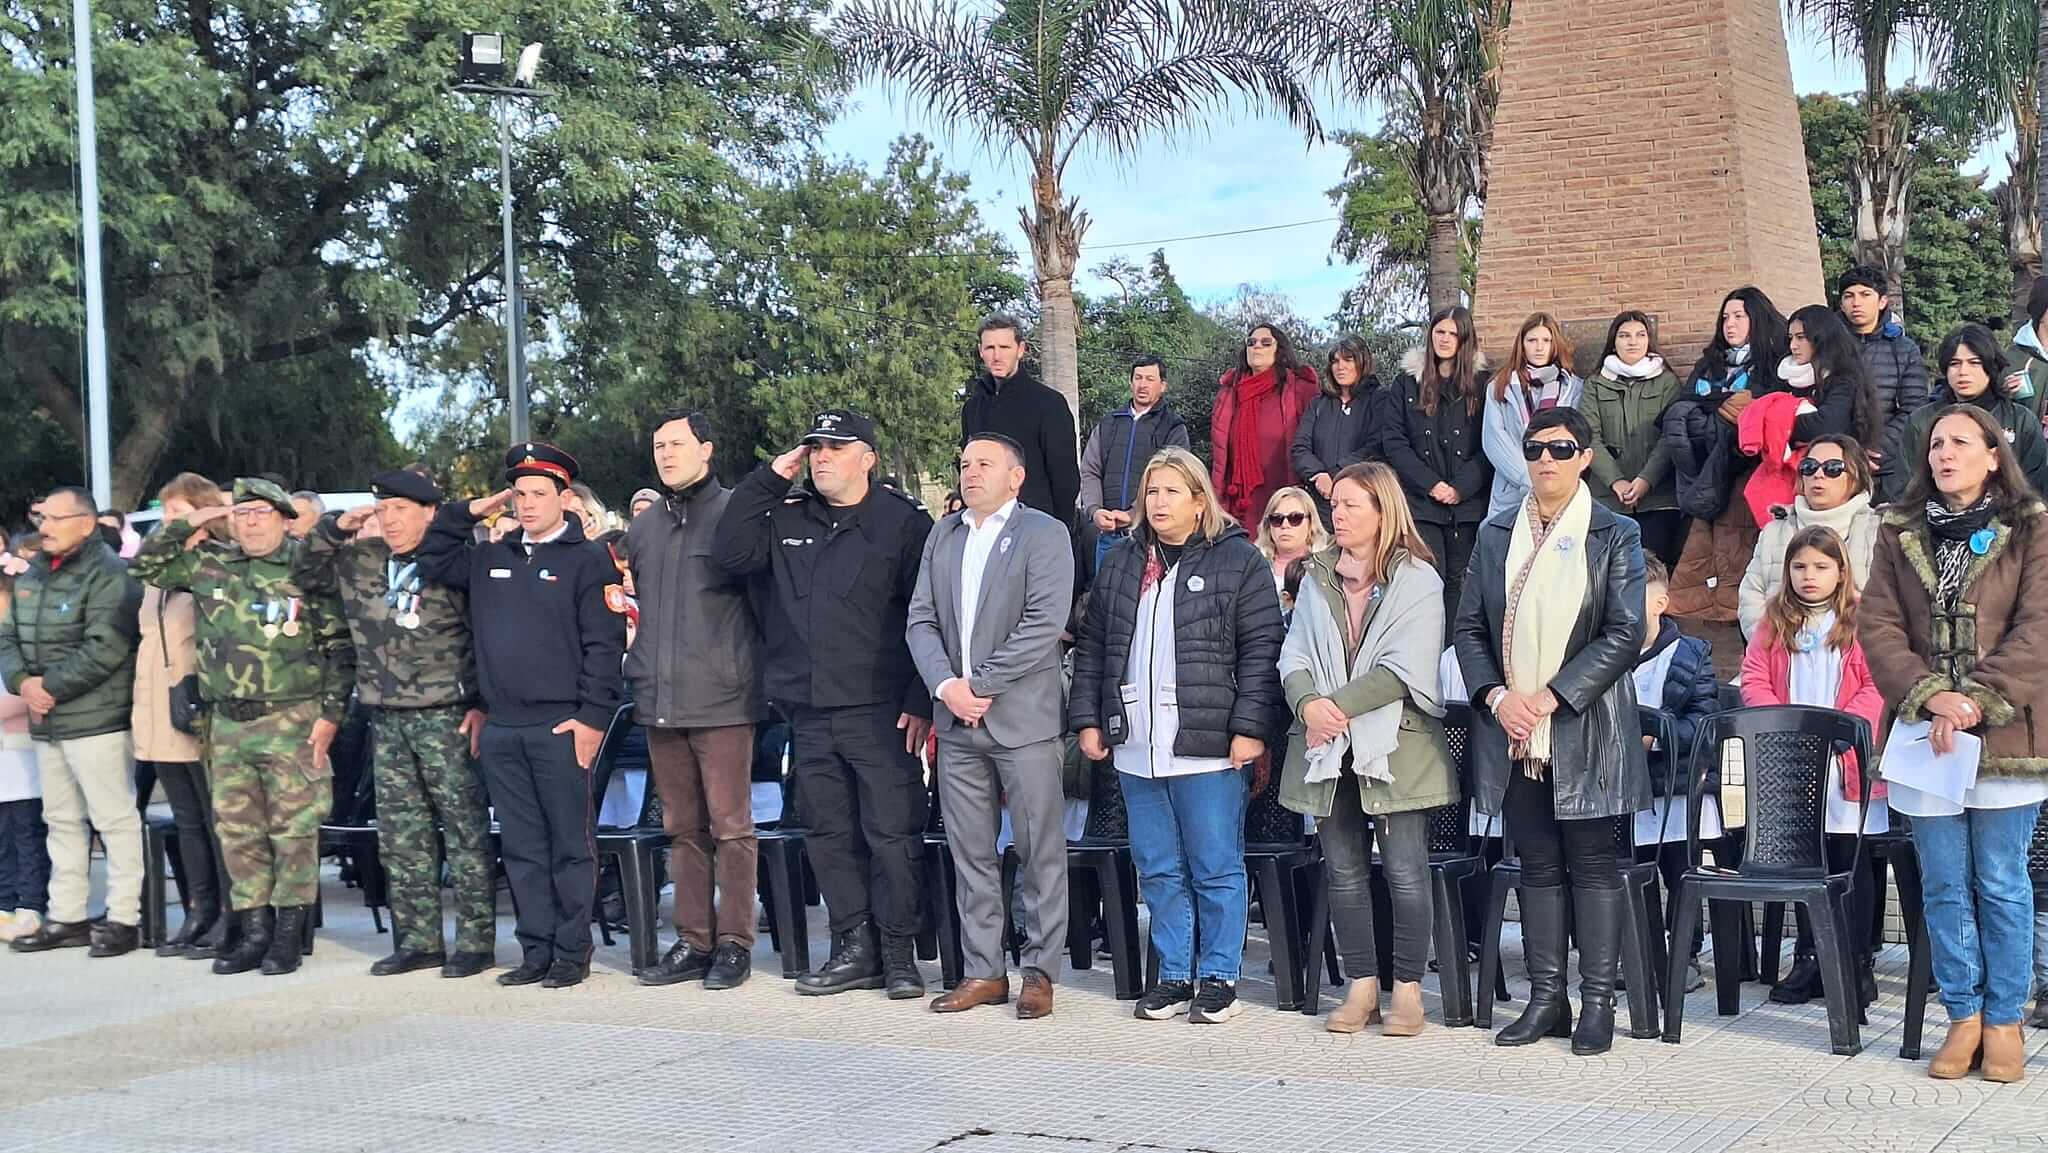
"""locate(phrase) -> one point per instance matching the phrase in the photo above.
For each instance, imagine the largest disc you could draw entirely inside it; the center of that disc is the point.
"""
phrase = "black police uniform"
(840, 582)
(550, 634)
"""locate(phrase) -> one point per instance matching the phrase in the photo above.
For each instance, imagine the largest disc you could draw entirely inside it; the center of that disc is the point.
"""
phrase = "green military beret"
(250, 488)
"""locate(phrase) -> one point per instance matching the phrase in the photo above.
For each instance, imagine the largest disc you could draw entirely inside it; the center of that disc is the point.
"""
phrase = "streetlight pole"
(99, 455)
(515, 336)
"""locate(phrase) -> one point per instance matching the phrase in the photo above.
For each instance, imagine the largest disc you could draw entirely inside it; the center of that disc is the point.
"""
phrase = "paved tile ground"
(160, 1056)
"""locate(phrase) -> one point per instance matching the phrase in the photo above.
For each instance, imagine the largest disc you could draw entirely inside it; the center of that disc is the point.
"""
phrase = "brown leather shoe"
(972, 992)
(1961, 1050)
(1036, 1000)
(2005, 1053)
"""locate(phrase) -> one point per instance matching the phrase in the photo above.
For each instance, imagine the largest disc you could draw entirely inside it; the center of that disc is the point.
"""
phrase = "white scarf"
(1405, 634)
(1546, 569)
(1795, 375)
(1647, 368)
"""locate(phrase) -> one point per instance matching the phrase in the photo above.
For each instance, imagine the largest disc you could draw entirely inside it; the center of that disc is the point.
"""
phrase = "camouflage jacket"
(260, 636)
(428, 665)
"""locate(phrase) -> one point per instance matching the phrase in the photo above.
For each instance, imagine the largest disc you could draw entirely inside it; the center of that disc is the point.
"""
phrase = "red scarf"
(1246, 473)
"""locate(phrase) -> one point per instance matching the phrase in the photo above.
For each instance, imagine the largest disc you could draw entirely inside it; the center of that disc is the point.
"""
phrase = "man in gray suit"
(993, 592)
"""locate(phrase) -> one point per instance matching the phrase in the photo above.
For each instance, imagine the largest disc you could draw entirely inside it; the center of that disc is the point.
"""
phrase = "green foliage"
(1956, 268)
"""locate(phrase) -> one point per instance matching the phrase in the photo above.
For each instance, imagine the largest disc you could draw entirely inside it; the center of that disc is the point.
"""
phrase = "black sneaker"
(1165, 1001)
(1216, 1003)
(684, 962)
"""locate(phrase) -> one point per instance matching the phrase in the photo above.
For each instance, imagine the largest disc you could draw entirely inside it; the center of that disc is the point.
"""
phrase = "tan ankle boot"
(1960, 1050)
(1404, 1016)
(1361, 1007)
(2005, 1053)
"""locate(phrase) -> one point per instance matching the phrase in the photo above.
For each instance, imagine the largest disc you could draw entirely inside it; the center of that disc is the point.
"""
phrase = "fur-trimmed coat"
(2000, 634)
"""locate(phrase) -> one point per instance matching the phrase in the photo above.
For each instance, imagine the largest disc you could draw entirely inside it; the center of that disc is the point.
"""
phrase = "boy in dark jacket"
(1675, 674)
(1898, 370)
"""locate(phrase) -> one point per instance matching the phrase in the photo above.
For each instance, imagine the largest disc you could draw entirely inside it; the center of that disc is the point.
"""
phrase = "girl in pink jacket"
(1805, 652)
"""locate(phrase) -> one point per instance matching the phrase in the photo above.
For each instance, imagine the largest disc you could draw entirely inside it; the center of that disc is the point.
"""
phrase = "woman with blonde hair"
(164, 660)
(1176, 679)
(1290, 530)
(1538, 377)
(1367, 755)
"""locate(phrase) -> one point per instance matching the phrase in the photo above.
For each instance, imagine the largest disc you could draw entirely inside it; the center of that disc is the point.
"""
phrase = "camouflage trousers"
(424, 778)
(268, 802)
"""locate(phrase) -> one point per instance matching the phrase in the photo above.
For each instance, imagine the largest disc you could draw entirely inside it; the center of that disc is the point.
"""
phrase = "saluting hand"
(354, 518)
(588, 741)
(488, 505)
(788, 463)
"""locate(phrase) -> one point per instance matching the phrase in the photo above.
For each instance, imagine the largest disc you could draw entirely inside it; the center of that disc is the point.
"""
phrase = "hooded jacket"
(2022, 431)
(1627, 442)
(1853, 520)
(1691, 695)
(1426, 449)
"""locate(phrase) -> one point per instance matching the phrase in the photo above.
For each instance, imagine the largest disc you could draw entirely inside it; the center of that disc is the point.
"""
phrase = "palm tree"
(1990, 80)
(1434, 64)
(1882, 173)
(1044, 79)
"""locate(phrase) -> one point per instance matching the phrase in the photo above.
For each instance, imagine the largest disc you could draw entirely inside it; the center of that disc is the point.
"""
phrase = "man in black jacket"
(837, 566)
(692, 668)
(1114, 464)
(1898, 372)
(546, 611)
(1008, 398)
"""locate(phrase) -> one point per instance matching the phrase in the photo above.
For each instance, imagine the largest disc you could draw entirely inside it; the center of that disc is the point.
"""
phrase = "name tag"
(501, 574)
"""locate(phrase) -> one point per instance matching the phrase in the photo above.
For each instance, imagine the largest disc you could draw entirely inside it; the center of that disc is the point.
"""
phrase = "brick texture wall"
(1646, 155)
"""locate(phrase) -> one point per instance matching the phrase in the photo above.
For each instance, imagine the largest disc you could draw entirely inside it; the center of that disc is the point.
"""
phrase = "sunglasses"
(1827, 468)
(1532, 450)
(1260, 342)
(1290, 519)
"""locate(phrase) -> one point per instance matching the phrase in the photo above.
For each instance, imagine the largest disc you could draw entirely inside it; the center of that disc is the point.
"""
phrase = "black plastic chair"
(637, 848)
(158, 835)
(1278, 854)
(1101, 876)
(1643, 950)
(350, 831)
(1786, 752)
(942, 881)
(1453, 856)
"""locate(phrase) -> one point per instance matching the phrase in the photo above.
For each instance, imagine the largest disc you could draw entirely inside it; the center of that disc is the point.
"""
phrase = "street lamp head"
(483, 58)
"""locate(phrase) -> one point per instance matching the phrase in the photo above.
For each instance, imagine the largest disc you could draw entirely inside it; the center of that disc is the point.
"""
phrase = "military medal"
(290, 627)
(269, 611)
(403, 596)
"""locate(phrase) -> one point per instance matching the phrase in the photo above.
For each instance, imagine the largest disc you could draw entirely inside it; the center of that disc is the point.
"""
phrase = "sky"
(1242, 171)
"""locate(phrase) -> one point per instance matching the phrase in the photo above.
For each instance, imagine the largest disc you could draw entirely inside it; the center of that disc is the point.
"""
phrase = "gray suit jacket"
(1027, 593)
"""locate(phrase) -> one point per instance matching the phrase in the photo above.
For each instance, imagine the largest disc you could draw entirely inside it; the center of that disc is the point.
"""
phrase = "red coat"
(1767, 680)
(1764, 431)
(1279, 411)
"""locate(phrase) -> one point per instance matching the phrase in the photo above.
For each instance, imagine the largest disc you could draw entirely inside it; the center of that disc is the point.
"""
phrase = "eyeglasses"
(42, 518)
(1260, 342)
(1532, 450)
(1827, 468)
(254, 513)
(1290, 519)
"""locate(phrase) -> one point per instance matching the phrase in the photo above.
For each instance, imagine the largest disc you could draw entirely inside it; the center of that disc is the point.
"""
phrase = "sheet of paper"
(1910, 759)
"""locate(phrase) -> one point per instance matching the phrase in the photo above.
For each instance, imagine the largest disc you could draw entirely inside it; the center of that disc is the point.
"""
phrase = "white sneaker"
(19, 923)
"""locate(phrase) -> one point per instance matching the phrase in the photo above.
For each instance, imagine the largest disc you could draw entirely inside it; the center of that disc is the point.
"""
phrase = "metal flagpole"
(100, 469)
(514, 342)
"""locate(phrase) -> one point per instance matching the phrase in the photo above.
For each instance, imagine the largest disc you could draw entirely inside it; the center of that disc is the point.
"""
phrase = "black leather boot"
(287, 940)
(1599, 914)
(1800, 985)
(218, 938)
(856, 963)
(899, 968)
(248, 952)
(1548, 1013)
(199, 921)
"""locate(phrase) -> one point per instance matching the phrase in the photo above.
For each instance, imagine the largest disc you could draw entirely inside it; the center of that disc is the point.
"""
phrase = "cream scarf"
(1546, 566)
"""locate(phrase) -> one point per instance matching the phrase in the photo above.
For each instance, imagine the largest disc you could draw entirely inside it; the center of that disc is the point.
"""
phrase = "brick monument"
(1645, 155)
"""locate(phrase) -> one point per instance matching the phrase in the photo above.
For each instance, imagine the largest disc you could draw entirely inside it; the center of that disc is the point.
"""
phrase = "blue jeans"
(1980, 909)
(1187, 840)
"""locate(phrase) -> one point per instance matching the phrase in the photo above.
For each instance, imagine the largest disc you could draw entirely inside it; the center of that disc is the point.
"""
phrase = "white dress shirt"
(981, 540)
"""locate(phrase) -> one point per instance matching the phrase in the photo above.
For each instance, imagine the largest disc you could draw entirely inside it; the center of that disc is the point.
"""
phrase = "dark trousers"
(24, 858)
(703, 776)
(204, 879)
(1663, 534)
(1347, 836)
(542, 800)
(864, 803)
(1452, 546)
(1554, 852)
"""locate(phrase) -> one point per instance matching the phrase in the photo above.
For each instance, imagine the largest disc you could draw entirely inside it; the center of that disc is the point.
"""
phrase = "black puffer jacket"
(1226, 640)
(1425, 449)
(1702, 447)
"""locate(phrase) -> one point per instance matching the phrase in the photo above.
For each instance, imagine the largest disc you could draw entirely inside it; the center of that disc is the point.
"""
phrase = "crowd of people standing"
(1290, 617)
